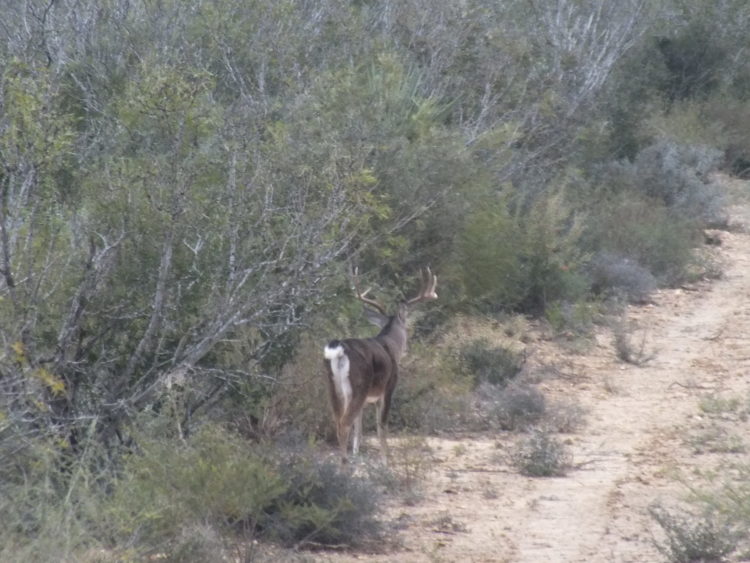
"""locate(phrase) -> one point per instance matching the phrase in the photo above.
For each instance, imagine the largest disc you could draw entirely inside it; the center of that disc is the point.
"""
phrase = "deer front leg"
(383, 408)
(382, 431)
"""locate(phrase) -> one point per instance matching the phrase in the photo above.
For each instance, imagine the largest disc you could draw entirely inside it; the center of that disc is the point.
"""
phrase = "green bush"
(170, 486)
(519, 255)
(679, 175)
(322, 503)
(51, 500)
(691, 539)
(240, 491)
(486, 363)
(645, 232)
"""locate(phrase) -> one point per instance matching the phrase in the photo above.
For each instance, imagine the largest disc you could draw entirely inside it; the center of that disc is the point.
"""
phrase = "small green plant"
(496, 365)
(541, 455)
(690, 539)
(410, 463)
(716, 439)
(715, 404)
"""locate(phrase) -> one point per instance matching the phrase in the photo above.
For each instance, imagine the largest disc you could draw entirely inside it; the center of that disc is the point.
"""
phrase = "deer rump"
(358, 368)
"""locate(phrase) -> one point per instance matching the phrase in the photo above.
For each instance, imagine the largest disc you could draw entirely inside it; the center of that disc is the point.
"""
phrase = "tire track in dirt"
(599, 513)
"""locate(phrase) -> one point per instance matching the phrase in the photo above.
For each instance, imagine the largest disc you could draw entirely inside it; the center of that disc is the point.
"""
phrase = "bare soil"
(648, 437)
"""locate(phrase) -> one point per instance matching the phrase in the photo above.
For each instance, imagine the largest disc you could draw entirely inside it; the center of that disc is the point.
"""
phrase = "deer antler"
(361, 295)
(427, 290)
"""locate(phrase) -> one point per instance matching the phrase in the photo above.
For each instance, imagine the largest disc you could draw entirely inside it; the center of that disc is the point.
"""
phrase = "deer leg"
(357, 433)
(344, 428)
(383, 408)
(384, 453)
(342, 433)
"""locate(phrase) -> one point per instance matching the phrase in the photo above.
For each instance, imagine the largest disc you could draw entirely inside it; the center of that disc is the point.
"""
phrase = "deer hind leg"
(357, 433)
(351, 417)
(342, 433)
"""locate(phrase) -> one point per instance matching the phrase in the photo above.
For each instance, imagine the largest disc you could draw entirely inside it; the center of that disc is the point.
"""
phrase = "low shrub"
(520, 252)
(516, 407)
(541, 455)
(690, 539)
(51, 501)
(564, 416)
(216, 480)
(619, 276)
(495, 365)
(412, 459)
(647, 215)
(433, 392)
(680, 176)
(629, 347)
(322, 503)
(645, 232)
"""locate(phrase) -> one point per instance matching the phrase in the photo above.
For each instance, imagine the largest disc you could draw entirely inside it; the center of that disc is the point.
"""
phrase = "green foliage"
(51, 493)
(495, 365)
(218, 480)
(214, 478)
(490, 263)
(512, 257)
(691, 539)
(621, 277)
(323, 503)
(729, 501)
(637, 228)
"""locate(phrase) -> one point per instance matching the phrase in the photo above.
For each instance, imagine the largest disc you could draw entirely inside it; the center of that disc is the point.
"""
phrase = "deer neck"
(393, 335)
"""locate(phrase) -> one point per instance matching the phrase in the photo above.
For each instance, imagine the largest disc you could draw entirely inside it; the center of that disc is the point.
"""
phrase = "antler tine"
(427, 289)
(361, 295)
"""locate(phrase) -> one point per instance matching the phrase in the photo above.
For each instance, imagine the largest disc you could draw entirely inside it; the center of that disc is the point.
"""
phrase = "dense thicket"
(184, 185)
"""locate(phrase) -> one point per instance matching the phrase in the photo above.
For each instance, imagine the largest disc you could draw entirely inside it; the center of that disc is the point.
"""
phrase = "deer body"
(365, 370)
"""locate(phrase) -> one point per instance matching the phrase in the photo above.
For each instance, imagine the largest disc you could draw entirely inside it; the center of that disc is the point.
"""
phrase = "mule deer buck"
(365, 370)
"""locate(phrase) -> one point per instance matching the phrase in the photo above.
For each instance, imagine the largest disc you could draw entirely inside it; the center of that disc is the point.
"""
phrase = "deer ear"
(378, 319)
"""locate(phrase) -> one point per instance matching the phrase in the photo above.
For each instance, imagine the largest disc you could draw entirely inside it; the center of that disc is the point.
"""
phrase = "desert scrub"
(716, 439)
(412, 460)
(323, 504)
(613, 275)
(541, 455)
(433, 392)
(216, 481)
(515, 407)
(564, 415)
(572, 318)
(691, 539)
(496, 365)
(630, 347)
